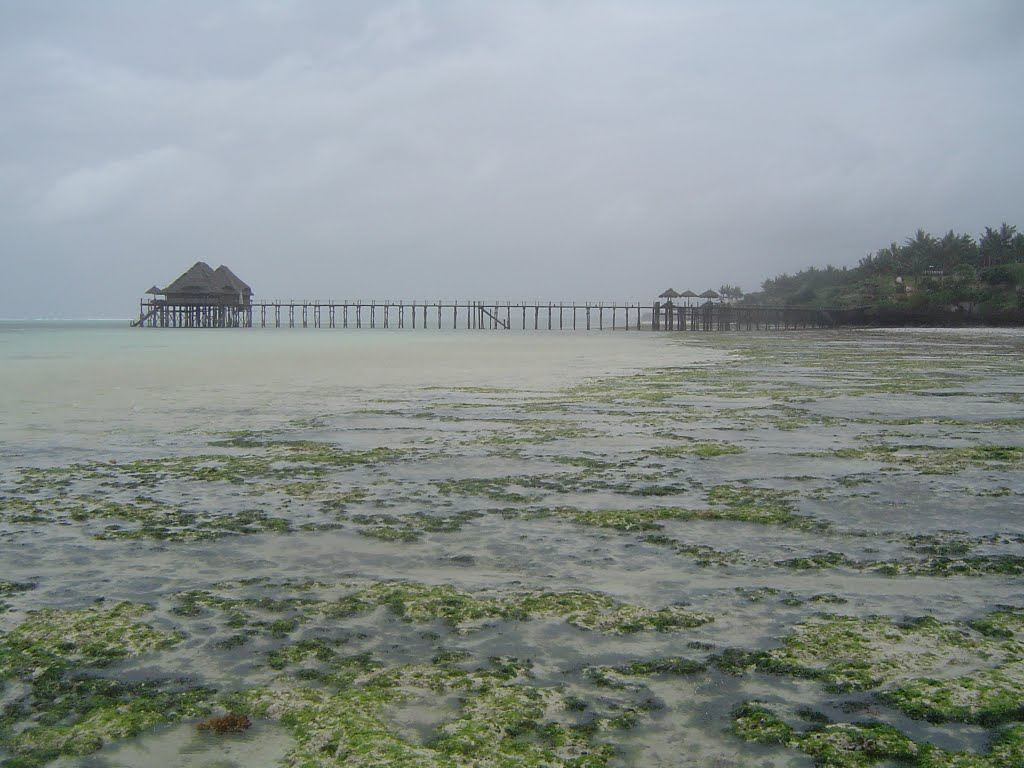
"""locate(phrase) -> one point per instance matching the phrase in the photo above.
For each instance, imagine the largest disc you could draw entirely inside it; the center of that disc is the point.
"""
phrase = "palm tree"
(996, 245)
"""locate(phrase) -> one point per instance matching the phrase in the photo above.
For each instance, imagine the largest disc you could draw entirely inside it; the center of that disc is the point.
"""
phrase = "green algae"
(534, 432)
(1003, 624)
(501, 720)
(865, 744)
(57, 640)
(278, 460)
(728, 503)
(421, 603)
(146, 517)
(836, 745)
(491, 488)
(410, 527)
(988, 696)
(753, 722)
(671, 665)
(297, 469)
(102, 713)
(935, 460)
(701, 450)
(619, 519)
(445, 656)
(60, 712)
(507, 725)
(849, 654)
(247, 613)
(757, 594)
(589, 610)
(905, 663)
(816, 561)
(309, 650)
(766, 506)
(979, 565)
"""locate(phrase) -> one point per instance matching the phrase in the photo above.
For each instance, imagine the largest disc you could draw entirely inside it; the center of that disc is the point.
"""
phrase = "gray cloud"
(513, 150)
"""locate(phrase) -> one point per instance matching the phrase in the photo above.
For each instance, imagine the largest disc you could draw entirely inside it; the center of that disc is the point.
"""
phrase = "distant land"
(948, 278)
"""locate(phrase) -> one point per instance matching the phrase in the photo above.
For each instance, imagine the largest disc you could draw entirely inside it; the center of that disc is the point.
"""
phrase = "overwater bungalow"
(200, 297)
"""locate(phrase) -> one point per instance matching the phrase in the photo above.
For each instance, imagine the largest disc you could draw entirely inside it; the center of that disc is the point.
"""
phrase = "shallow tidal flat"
(784, 549)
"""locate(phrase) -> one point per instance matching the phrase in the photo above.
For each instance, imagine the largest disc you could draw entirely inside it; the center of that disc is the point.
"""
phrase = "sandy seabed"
(472, 549)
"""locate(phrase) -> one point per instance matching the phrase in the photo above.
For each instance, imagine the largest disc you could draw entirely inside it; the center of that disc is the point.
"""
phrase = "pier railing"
(487, 315)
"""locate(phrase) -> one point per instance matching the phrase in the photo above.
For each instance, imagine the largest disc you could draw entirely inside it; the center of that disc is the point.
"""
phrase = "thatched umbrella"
(709, 295)
(688, 294)
(669, 294)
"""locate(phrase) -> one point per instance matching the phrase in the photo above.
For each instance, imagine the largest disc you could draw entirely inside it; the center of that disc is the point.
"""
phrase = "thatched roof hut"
(201, 284)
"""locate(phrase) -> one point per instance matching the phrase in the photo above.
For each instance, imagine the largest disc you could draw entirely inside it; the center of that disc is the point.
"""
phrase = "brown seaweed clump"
(229, 723)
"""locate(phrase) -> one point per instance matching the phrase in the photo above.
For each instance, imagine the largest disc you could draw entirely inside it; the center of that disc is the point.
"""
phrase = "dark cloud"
(534, 149)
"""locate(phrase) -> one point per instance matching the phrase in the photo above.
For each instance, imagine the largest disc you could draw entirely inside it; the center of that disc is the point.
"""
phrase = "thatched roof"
(710, 295)
(154, 291)
(201, 279)
(669, 294)
(231, 280)
(688, 295)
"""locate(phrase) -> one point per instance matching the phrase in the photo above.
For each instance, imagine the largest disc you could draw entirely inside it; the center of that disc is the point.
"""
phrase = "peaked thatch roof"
(154, 291)
(710, 295)
(231, 280)
(688, 295)
(201, 279)
(669, 294)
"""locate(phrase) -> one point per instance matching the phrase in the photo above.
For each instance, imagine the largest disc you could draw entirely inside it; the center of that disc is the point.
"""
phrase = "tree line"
(951, 273)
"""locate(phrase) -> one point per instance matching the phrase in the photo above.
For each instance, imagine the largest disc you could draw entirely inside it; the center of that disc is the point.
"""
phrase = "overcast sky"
(436, 149)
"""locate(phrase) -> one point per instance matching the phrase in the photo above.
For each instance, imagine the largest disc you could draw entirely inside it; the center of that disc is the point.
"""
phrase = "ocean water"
(145, 465)
(67, 382)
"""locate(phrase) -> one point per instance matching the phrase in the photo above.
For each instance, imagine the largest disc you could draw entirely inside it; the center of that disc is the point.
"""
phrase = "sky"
(536, 149)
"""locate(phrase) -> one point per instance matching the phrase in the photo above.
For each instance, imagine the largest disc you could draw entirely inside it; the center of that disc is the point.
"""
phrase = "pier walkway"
(487, 315)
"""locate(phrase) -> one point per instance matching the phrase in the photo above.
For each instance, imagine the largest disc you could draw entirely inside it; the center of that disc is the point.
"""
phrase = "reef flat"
(764, 550)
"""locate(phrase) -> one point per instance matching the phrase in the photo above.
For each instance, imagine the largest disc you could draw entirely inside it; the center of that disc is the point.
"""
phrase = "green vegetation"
(905, 664)
(982, 279)
(49, 642)
(934, 460)
(410, 527)
(864, 744)
(421, 603)
(700, 449)
(501, 721)
(67, 713)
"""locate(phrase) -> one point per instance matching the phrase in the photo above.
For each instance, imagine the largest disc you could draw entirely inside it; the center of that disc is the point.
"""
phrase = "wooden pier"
(487, 315)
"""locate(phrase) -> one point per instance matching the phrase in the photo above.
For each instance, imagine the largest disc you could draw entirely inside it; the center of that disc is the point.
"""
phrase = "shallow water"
(889, 452)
